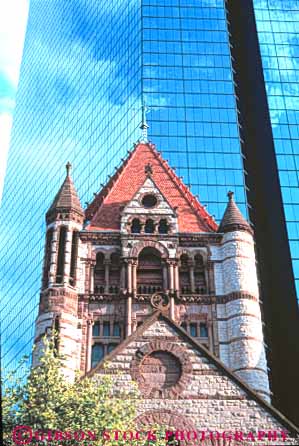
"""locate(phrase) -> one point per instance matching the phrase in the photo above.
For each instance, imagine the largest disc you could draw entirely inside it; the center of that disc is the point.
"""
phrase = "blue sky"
(13, 18)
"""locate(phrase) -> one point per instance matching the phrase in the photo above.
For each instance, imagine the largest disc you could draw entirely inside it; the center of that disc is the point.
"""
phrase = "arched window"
(49, 238)
(114, 273)
(185, 285)
(99, 273)
(116, 329)
(74, 255)
(203, 329)
(136, 226)
(96, 329)
(149, 227)
(163, 226)
(111, 347)
(61, 255)
(149, 271)
(199, 275)
(97, 354)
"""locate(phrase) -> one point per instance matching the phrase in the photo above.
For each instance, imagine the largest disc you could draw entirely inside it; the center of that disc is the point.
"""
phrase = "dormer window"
(149, 227)
(149, 201)
(136, 226)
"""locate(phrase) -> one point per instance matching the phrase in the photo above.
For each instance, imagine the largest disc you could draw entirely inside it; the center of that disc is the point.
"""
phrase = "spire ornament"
(68, 167)
(144, 126)
(230, 195)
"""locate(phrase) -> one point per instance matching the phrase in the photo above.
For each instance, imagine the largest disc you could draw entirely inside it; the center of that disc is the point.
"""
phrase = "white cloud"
(13, 18)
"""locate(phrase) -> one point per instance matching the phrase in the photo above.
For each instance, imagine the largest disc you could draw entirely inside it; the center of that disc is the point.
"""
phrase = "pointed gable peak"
(66, 199)
(146, 162)
(148, 196)
(232, 219)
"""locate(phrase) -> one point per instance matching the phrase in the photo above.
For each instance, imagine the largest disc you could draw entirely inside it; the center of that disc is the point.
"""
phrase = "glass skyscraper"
(278, 34)
(88, 67)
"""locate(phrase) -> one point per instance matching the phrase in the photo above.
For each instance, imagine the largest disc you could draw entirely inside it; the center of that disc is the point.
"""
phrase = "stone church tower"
(144, 277)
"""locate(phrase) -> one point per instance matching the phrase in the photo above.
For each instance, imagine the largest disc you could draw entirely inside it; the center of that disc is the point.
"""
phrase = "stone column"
(129, 276)
(91, 277)
(191, 273)
(129, 298)
(171, 276)
(67, 256)
(210, 334)
(176, 278)
(134, 277)
(88, 345)
(129, 315)
(172, 308)
(53, 258)
(107, 271)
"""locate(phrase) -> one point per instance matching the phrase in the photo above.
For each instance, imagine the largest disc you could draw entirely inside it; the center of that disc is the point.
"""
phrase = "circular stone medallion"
(160, 370)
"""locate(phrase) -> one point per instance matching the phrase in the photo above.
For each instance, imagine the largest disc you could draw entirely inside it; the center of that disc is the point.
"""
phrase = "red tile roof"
(105, 210)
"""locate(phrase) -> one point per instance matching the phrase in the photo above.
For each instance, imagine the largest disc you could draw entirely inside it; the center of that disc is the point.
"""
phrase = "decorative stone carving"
(160, 301)
(162, 369)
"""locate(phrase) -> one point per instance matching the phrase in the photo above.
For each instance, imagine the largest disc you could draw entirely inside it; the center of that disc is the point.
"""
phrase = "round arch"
(136, 250)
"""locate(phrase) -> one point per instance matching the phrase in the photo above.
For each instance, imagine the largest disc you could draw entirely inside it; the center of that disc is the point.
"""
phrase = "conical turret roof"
(232, 219)
(66, 199)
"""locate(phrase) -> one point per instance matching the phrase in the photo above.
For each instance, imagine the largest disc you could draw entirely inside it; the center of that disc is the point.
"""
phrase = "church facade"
(146, 281)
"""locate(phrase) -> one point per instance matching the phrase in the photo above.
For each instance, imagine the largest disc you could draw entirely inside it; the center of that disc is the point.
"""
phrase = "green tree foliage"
(48, 402)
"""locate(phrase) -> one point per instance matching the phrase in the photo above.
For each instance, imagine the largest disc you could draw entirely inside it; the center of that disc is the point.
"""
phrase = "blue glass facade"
(278, 26)
(87, 69)
(79, 99)
(187, 84)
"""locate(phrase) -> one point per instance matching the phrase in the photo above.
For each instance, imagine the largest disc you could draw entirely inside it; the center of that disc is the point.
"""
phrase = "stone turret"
(59, 296)
(239, 318)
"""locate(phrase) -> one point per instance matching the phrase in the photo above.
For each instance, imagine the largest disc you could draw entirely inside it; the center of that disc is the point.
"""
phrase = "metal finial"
(144, 126)
(68, 168)
(230, 195)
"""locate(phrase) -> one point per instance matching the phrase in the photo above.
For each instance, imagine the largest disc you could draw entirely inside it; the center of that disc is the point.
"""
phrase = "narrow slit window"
(61, 255)
(49, 239)
(74, 255)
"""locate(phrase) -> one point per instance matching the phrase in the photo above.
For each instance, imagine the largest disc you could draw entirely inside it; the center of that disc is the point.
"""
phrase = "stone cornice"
(100, 238)
(191, 240)
(103, 298)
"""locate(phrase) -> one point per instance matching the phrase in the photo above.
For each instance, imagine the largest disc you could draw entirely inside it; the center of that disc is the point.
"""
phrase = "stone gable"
(175, 375)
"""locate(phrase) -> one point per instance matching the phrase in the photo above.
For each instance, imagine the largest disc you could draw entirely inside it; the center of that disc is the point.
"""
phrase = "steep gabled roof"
(67, 198)
(232, 219)
(157, 315)
(104, 212)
